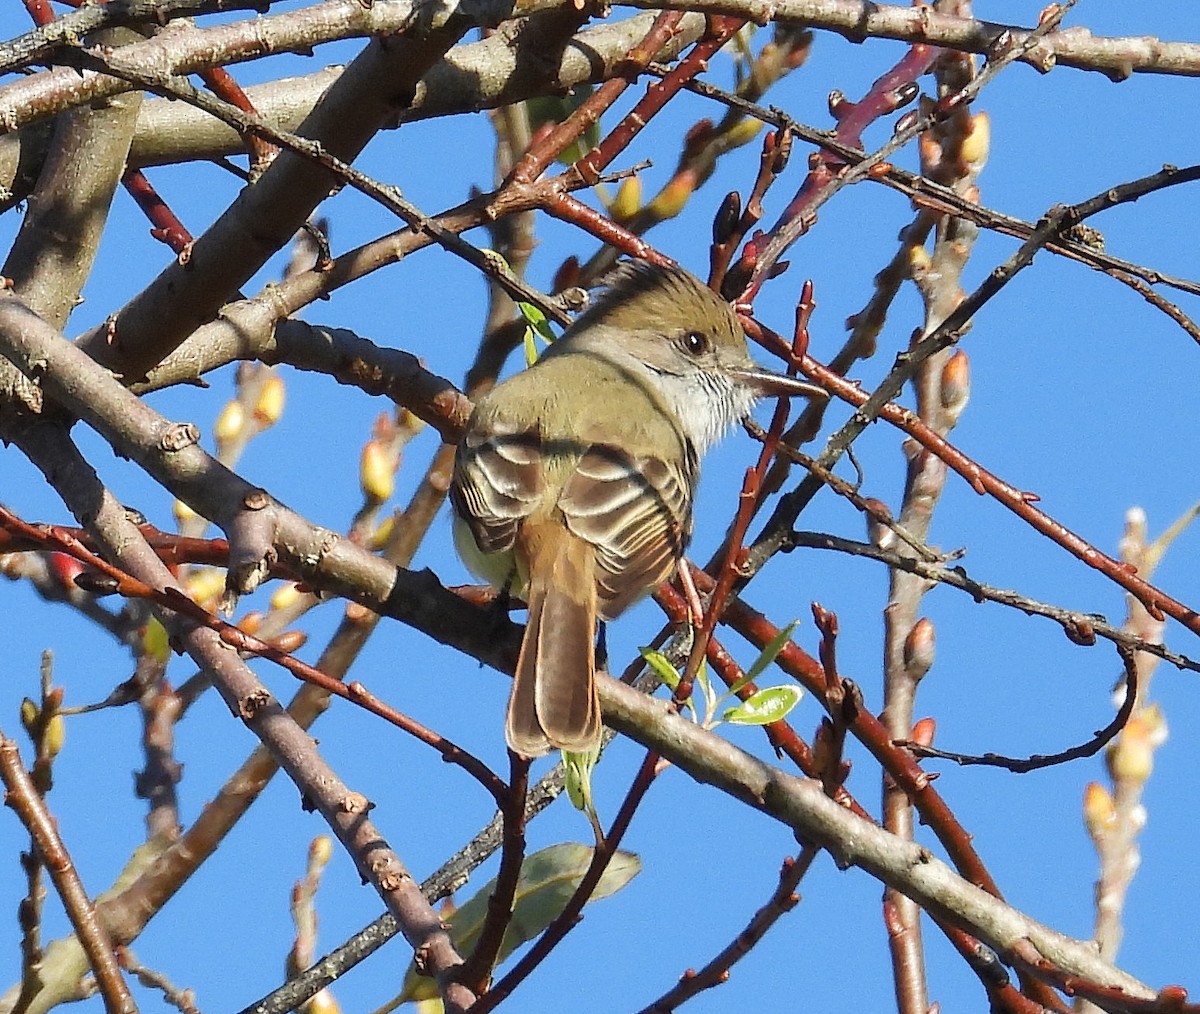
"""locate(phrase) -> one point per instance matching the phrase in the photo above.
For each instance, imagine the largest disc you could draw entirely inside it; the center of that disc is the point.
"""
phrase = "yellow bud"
(1099, 811)
(408, 423)
(381, 535)
(743, 132)
(29, 715)
(377, 471)
(670, 201)
(956, 386)
(320, 851)
(1131, 757)
(251, 622)
(628, 200)
(56, 735)
(918, 259)
(919, 648)
(290, 641)
(230, 422)
(977, 141)
(285, 596)
(183, 513)
(270, 401)
(206, 586)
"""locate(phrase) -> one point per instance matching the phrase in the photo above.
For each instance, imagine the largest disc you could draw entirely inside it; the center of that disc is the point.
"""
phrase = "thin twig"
(1023, 765)
(29, 806)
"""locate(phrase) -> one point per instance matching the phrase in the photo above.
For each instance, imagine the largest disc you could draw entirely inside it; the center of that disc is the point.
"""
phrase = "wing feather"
(498, 481)
(637, 512)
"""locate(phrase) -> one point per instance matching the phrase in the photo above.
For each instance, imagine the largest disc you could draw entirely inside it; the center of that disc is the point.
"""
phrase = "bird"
(574, 480)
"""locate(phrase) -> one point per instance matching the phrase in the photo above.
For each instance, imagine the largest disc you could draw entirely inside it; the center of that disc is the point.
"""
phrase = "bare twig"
(29, 806)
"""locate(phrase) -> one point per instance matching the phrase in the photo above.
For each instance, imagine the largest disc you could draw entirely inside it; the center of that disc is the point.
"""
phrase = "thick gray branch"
(513, 64)
(60, 233)
(856, 20)
(802, 805)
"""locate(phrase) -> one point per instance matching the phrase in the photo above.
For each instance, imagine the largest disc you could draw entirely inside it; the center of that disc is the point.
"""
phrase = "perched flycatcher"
(574, 480)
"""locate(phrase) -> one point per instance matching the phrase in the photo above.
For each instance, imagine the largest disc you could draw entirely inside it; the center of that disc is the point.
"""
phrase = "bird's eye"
(696, 343)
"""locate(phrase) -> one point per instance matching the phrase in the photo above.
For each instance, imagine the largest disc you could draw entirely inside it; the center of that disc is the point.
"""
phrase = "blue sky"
(1080, 392)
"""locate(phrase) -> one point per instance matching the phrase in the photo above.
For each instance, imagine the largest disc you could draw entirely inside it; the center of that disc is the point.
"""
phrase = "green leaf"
(578, 780)
(769, 705)
(771, 651)
(536, 326)
(548, 879)
(661, 666)
(531, 349)
(537, 320)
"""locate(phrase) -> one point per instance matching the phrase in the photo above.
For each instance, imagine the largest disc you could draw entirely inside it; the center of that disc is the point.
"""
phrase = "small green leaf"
(769, 705)
(578, 780)
(771, 651)
(537, 320)
(531, 349)
(548, 879)
(662, 667)
(536, 326)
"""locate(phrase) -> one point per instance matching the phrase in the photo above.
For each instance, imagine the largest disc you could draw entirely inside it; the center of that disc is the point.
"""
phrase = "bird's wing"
(637, 512)
(498, 481)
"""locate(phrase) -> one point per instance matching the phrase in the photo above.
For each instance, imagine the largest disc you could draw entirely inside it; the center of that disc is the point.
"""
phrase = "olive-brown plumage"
(574, 479)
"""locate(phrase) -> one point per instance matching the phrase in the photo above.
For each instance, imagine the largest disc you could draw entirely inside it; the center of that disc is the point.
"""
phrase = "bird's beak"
(771, 384)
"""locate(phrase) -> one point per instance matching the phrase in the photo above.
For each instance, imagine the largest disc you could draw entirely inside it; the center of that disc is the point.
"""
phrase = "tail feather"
(554, 702)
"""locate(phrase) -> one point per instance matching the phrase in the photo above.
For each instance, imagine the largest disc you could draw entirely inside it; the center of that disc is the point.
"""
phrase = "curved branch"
(857, 20)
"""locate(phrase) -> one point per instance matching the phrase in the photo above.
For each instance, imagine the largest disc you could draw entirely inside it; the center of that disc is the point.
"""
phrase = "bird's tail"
(554, 701)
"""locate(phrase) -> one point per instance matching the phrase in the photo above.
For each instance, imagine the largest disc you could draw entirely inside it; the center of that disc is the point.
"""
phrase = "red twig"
(658, 93)
(172, 549)
(588, 168)
(573, 211)
(222, 84)
(40, 12)
(174, 599)
(164, 226)
(1020, 502)
(538, 158)
(730, 228)
(887, 94)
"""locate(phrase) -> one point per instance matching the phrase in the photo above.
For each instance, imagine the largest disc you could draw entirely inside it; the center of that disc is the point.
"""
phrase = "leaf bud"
(628, 201)
(377, 471)
(1099, 810)
(230, 423)
(955, 387)
(269, 407)
(920, 648)
(727, 217)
